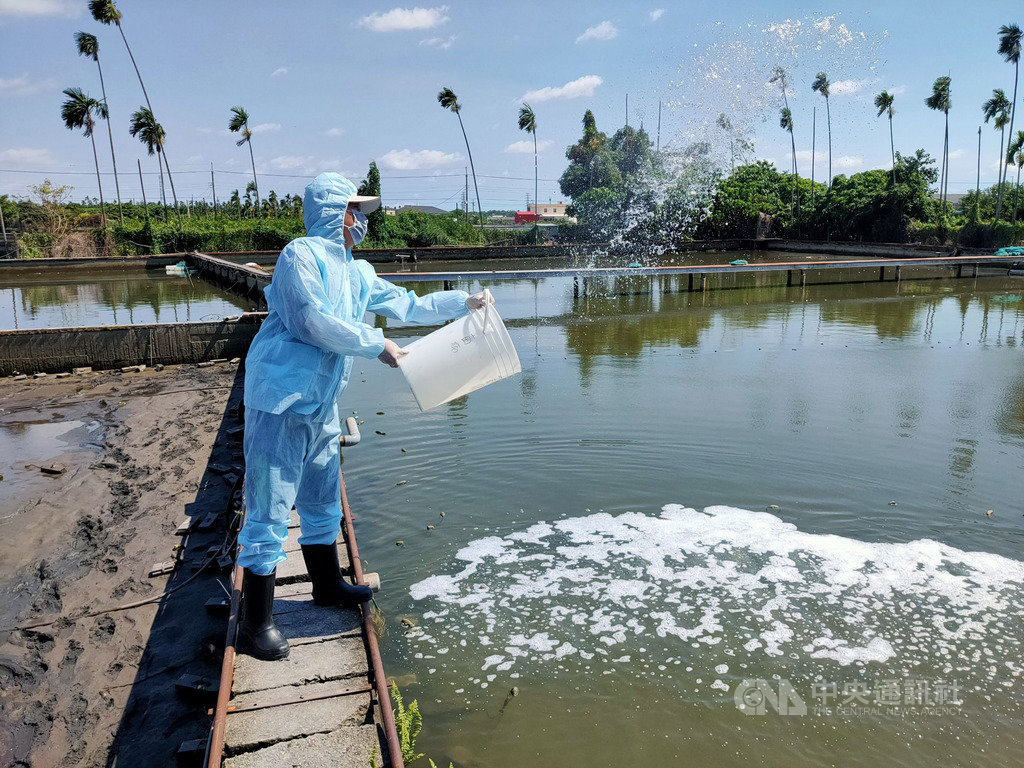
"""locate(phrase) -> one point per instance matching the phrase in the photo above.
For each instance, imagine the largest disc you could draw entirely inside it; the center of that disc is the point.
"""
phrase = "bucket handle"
(487, 306)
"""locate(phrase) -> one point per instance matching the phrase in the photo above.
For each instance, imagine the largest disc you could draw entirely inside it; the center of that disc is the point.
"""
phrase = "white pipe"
(353, 437)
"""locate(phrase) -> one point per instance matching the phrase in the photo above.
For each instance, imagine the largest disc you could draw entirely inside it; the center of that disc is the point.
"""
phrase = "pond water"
(684, 494)
(88, 297)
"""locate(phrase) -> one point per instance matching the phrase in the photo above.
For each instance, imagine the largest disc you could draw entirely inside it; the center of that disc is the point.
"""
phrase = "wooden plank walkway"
(318, 706)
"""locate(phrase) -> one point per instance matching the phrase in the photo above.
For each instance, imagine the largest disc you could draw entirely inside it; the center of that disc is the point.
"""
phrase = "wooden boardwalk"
(322, 706)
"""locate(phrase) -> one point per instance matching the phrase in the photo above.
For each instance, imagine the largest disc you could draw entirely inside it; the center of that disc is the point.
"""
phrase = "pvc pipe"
(352, 428)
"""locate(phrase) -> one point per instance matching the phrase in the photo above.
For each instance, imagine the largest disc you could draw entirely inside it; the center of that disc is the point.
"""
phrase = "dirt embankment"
(81, 685)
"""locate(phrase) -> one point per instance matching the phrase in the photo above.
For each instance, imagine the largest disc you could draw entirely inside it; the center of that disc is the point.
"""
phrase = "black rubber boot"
(257, 635)
(329, 586)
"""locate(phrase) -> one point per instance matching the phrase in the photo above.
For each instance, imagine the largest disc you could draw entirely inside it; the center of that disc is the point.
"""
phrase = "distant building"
(953, 198)
(410, 208)
(548, 210)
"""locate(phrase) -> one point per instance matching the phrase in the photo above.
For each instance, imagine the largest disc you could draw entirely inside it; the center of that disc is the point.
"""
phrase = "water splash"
(722, 586)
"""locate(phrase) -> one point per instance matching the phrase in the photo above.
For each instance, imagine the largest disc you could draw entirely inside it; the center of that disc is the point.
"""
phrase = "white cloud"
(334, 132)
(24, 85)
(27, 158)
(656, 14)
(803, 156)
(444, 43)
(956, 154)
(581, 86)
(603, 31)
(848, 161)
(408, 160)
(37, 8)
(897, 90)
(525, 147)
(279, 71)
(303, 164)
(844, 87)
(266, 127)
(402, 19)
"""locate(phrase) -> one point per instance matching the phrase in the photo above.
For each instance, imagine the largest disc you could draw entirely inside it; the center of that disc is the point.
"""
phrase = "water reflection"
(94, 297)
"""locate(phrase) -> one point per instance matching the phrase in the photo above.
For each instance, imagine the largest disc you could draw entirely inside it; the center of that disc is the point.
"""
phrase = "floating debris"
(442, 514)
(382, 434)
(429, 527)
(770, 506)
(401, 482)
(400, 543)
(380, 413)
(990, 513)
(892, 503)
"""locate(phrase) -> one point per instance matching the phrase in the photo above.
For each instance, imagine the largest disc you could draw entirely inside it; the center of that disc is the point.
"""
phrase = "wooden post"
(703, 282)
(881, 274)
(898, 268)
(789, 277)
(447, 285)
(803, 278)
(575, 287)
(689, 287)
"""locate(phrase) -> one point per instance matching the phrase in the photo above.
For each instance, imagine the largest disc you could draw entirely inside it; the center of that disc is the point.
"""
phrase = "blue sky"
(334, 85)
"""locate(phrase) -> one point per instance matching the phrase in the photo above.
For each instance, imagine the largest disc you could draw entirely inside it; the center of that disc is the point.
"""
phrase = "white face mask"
(358, 229)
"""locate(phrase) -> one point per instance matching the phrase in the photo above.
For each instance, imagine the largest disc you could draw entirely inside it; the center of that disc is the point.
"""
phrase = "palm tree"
(152, 134)
(77, 112)
(1009, 48)
(1015, 155)
(89, 46)
(446, 98)
(997, 109)
(240, 122)
(940, 100)
(528, 123)
(106, 12)
(821, 85)
(883, 102)
(786, 122)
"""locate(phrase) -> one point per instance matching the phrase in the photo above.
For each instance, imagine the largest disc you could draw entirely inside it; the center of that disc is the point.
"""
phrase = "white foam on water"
(723, 582)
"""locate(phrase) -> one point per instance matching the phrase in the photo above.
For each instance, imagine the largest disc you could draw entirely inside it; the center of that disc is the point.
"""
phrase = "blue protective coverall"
(298, 365)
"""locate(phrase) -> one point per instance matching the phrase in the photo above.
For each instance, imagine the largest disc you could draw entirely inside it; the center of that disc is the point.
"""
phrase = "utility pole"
(627, 110)
(659, 127)
(145, 205)
(213, 183)
(466, 191)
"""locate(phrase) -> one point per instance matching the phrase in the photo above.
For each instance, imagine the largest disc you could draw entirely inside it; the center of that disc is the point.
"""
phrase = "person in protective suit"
(297, 366)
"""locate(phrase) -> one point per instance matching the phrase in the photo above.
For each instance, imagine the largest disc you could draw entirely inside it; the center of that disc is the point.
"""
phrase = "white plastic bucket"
(459, 358)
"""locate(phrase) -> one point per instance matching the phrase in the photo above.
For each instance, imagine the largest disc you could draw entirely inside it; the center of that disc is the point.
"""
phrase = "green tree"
(528, 123)
(145, 127)
(883, 102)
(997, 109)
(821, 85)
(240, 122)
(376, 222)
(591, 162)
(446, 98)
(631, 149)
(1009, 48)
(77, 112)
(89, 47)
(940, 101)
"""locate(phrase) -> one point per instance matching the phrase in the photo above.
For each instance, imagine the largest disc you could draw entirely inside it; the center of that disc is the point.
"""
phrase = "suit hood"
(323, 206)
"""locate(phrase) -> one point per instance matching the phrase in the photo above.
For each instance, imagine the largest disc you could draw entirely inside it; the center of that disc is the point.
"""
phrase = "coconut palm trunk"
(110, 135)
(472, 169)
(536, 200)
(828, 118)
(99, 181)
(892, 149)
(255, 183)
(170, 178)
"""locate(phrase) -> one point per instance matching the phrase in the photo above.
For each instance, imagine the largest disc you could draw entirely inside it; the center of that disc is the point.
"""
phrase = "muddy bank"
(83, 685)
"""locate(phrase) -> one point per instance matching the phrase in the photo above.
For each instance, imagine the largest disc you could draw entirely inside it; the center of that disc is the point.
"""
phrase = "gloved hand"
(479, 300)
(391, 354)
